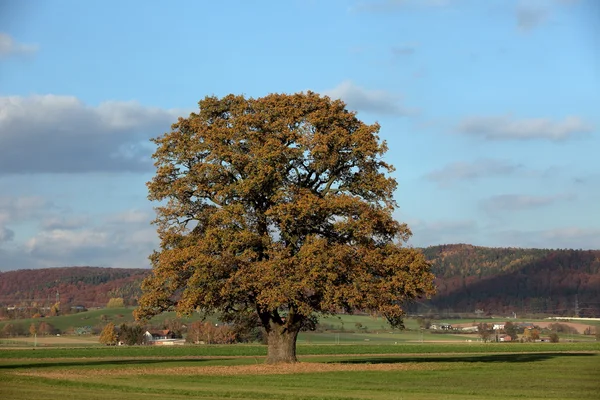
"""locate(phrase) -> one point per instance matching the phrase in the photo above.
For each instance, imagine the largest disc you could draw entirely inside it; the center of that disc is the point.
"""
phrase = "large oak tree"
(278, 207)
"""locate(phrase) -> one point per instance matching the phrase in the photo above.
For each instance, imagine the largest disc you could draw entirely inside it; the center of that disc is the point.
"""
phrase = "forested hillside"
(88, 286)
(562, 282)
(495, 280)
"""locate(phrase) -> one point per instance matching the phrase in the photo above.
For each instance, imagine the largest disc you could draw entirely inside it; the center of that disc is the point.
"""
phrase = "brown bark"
(281, 345)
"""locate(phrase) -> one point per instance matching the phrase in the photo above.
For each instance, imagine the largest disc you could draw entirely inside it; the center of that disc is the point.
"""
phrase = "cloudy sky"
(490, 110)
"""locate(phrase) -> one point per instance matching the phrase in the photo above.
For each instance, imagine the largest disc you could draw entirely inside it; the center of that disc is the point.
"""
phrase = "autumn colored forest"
(469, 278)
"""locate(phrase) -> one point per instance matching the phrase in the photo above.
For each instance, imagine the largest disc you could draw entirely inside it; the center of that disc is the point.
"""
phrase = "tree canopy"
(281, 208)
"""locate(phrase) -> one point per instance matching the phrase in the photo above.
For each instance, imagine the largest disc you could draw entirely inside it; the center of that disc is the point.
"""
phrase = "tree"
(131, 335)
(8, 330)
(115, 302)
(46, 328)
(279, 206)
(108, 336)
(55, 309)
(531, 334)
(485, 331)
(424, 323)
(554, 337)
(32, 329)
(511, 330)
(210, 333)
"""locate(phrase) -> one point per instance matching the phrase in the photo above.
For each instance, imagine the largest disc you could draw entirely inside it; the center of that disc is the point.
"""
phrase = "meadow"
(339, 329)
(407, 371)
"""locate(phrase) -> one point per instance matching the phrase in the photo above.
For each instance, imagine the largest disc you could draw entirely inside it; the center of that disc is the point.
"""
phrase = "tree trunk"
(281, 345)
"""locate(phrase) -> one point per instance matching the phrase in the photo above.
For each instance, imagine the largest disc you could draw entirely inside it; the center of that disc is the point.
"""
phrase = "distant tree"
(32, 329)
(424, 323)
(554, 337)
(247, 328)
(115, 302)
(108, 336)
(210, 333)
(511, 330)
(46, 328)
(8, 330)
(131, 335)
(531, 335)
(563, 328)
(281, 206)
(36, 315)
(55, 309)
(174, 325)
(484, 331)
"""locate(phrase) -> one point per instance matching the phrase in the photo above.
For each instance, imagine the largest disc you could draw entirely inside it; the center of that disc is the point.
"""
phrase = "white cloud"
(50, 133)
(574, 236)
(469, 171)
(63, 222)
(370, 101)
(516, 202)
(10, 47)
(122, 240)
(430, 233)
(13, 209)
(568, 237)
(60, 242)
(510, 128)
(132, 216)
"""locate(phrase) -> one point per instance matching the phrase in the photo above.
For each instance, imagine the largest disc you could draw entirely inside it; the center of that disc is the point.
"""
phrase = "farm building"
(162, 337)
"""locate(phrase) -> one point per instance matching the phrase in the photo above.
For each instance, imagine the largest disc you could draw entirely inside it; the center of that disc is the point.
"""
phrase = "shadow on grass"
(489, 358)
(100, 363)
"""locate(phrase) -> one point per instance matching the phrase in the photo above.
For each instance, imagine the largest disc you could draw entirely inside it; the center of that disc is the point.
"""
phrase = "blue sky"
(490, 110)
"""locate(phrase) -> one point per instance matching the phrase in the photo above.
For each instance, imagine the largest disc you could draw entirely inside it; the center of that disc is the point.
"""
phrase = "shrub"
(115, 302)
(210, 333)
(109, 335)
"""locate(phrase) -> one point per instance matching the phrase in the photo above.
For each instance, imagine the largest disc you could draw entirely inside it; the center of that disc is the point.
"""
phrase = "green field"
(340, 329)
(408, 371)
(95, 317)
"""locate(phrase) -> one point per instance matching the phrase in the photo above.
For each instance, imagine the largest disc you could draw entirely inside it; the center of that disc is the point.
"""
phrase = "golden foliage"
(109, 336)
(280, 205)
(115, 302)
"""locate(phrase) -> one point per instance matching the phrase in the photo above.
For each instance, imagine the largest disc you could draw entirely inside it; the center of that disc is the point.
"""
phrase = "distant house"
(498, 327)
(442, 326)
(159, 334)
(162, 337)
(504, 338)
(474, 328)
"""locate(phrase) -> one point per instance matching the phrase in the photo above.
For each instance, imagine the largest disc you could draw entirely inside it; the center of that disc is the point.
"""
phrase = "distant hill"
(559, 282)
(495, 280)
(88, 286)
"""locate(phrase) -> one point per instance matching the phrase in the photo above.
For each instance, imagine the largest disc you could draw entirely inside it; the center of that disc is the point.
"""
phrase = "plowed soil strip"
(261, 369)
(303, 356)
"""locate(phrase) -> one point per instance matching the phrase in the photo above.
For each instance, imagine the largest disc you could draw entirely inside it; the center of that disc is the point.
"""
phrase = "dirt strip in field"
(304, 356)
(259, 369)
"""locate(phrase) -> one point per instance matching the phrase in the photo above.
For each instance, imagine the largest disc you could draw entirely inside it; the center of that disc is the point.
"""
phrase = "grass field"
(95, 317)
(340, 329)
(408, 371)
